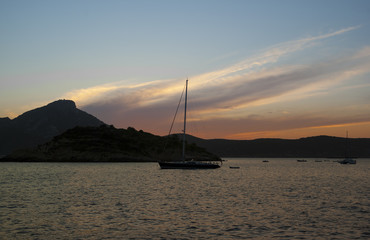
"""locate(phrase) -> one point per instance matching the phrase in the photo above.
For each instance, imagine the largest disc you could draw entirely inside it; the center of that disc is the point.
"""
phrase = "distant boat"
(265, 161)
(184, 163)
(234, 167)
(347, 159)
(301, 160)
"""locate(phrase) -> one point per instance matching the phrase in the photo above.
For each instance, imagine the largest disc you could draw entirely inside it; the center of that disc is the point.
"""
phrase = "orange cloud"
(225, 100)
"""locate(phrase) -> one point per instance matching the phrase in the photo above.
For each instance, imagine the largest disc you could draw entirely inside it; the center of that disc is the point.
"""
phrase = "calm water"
(281, 199)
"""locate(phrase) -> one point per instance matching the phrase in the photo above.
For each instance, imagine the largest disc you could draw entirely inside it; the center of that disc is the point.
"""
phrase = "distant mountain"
(319, 146)
(42, 124)
(108, 144)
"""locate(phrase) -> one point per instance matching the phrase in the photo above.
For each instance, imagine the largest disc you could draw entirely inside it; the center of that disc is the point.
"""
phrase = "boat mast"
(347, 146)
(183, 139)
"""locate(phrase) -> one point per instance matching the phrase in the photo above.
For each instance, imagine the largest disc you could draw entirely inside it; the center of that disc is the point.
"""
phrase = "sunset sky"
(256, 69)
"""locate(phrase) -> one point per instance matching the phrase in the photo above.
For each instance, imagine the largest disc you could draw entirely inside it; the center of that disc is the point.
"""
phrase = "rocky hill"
(108, 144)
(42, 124)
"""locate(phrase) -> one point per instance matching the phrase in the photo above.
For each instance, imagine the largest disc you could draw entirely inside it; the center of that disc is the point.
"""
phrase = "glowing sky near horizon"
(256, 69)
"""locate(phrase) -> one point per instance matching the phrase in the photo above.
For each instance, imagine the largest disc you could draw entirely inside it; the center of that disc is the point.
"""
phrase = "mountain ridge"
(314, 146)
(41, 124)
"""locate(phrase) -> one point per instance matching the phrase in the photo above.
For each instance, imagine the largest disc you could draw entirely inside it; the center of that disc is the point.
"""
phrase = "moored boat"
(188, 165)
(348, 161)
(183, 163)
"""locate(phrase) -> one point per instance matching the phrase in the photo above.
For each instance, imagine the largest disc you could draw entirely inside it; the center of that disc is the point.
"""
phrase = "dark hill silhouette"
(42, 124)
(319, 146)
(108, 144)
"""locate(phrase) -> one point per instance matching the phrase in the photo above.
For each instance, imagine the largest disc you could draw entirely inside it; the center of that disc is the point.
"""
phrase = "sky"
(256, 69)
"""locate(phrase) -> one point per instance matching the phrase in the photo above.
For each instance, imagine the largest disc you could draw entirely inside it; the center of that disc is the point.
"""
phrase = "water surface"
(281, 199)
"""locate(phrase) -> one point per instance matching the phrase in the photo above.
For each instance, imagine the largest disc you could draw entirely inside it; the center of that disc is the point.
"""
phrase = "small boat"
(348, 161)
(184, 163)
(301, 160)
(234, 167)
(265, 161)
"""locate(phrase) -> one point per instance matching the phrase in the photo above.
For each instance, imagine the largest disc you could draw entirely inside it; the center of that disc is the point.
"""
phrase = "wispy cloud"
(279, 84)
(226, 92)
(267, 56)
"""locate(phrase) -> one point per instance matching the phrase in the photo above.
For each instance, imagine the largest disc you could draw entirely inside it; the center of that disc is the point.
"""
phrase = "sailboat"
(347, 159)
(184, 163)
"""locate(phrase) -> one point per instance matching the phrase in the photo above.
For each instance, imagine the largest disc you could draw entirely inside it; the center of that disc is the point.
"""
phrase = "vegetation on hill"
(108, 144)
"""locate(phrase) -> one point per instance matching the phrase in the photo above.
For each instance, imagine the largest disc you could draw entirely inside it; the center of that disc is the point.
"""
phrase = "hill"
(108, 144)
(318, 146)
(42, 124)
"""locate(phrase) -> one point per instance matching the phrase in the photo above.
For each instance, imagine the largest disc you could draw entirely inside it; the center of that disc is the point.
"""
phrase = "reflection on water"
(280, 199)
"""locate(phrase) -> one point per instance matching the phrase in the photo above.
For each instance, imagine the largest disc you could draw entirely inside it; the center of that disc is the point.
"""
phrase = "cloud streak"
(225, 94)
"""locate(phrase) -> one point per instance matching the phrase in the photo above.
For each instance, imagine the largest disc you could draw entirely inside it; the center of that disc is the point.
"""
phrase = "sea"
(278, 199)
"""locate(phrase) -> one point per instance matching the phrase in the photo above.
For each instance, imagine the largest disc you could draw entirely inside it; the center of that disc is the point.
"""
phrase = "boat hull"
(188, 165)
(348, 161)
